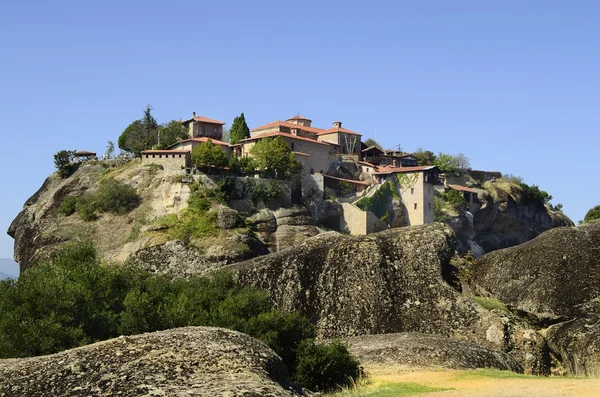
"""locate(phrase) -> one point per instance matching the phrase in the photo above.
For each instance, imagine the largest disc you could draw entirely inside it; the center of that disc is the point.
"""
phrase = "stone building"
(200, 126)
(416, 189)
(169, 159)
(190, 144)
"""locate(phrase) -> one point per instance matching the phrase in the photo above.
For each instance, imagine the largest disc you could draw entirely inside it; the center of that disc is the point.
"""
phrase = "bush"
(116, 197)
(325, 367)
(71, 301)
(534, 193)
(265, 192)
(454, 198)
(439, 214)
(63, 161)
(593, 214)
(68, 206)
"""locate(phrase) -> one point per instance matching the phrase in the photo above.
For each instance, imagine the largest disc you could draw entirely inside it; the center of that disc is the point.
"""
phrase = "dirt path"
(464, 384)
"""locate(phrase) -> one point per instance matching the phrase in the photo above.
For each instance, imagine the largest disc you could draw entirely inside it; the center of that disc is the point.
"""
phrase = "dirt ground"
(462, 384)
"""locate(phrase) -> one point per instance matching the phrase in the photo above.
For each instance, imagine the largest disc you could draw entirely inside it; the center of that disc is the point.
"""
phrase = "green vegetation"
(111, 196)
(403, 389)
(208, 155)
(239, 130)
(490, 303)
(424, 157)
(514, 187)
(454, 198)
(451, 164)
(493, 373)
(439, 210)
(144, 134)
(464, 266)
(325, 366)
(71, 300)
(264, 191)
(275, 159)
(378, 202)
(593, 214)
(372, 142)
(63, 161)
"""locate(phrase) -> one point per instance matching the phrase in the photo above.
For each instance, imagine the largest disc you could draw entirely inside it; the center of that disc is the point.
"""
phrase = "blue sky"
(512, 84)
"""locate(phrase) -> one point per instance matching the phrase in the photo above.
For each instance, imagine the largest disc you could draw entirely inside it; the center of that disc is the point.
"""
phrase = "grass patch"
(490, 303)
(387, 390)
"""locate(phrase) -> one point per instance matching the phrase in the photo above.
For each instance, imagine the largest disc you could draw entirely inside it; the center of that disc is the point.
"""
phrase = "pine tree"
(239, 130)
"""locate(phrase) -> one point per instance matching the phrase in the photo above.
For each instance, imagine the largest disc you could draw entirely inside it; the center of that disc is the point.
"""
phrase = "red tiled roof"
(285, 135)
(347, 180)
(279, 123)
(372, 148)
(165, 151)
(201, 139)
(367, 163)
(298, 117)
(399, 170)
(331, 143)
(338, 129)
(462, 188)
(203, 119)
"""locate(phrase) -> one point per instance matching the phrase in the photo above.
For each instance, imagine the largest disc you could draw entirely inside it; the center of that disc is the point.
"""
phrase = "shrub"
(71, 300)
(68, 206)
(208, 154)
(116, 197)
(63, 161)
(325, 367)
(454, 198)
(593, 214)
(265, 192)
(439, 214)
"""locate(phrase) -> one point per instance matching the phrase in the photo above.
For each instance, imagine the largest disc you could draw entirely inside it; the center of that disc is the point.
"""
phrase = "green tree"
(170, 133)
(372, 142)
(593, 214)
(446, 163)
(239, 130)
(63, 161)
(424, 157)
(275, 159)
(110, 150)
(208, 154)
(140, 135)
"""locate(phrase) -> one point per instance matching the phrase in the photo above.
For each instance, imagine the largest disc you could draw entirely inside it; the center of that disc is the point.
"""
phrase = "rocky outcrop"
(577, 343)
(425, 351)
(198, 361)
(503, 222)
(385, 282)
(546, 277)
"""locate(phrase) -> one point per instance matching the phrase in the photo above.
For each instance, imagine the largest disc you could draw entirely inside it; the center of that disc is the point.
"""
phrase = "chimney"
(337, 124)
(193, 114)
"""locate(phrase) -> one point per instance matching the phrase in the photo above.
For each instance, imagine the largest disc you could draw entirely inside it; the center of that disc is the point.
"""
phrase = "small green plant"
(325, 367)
(593, 214)
(454, 198)
(265, 192)
(68, 206)
(464, 265)
(64, 163)
(439, 213)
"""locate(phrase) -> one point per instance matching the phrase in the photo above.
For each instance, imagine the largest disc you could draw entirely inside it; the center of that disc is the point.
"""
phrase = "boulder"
(294, 216)
(228, 218)
(264, 221)
(409, 350)
(546, 277)
(352, 285)
(198, 361)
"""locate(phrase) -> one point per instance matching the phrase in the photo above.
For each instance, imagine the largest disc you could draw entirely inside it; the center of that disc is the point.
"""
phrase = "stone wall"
(358, 222)
(176, 161)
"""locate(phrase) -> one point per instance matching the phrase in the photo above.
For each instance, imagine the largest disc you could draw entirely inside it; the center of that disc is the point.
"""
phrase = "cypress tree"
(239, 130)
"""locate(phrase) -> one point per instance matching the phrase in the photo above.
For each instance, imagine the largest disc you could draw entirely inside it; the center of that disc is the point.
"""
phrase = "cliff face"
(198, 361)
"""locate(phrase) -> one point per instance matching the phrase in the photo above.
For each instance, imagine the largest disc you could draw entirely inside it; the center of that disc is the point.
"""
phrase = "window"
(292, 146)
(146, 156)
(215, 130)
(429, 206)
(160, 156)
(180, 156)
(429, 190)
(412, 191)
(202, 129)
(153, 156)
(415, 205)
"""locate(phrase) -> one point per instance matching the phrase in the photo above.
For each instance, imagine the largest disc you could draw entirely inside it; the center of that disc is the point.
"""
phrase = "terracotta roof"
(201, 139)
(298, 117)
(367, 163)
(84, 153)
(301, 154)
(372, 148)
(204, 120)
(338, 129)
(279, 123)
(400, 170)
(462, 188)
(285, 135)
(165, 151)
(347, 180)
(329, 142)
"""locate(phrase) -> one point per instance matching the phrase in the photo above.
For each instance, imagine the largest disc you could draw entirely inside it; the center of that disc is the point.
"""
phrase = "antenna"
(377, 135)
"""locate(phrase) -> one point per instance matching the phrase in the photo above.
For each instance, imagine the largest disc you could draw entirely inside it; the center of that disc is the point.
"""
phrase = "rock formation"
(547, 276)
(414, 350)
(198, 361)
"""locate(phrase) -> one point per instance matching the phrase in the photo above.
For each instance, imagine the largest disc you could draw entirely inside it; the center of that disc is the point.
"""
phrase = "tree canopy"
(593, 214)
(170, 133)
(451, 164)
(239, 130)
(424, 157)
(372, 142)
(63, 161)
(275, 158)
(140, 134)
(208, 154)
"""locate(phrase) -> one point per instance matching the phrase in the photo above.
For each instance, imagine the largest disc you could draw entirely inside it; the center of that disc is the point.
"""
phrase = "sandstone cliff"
(198, 361)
